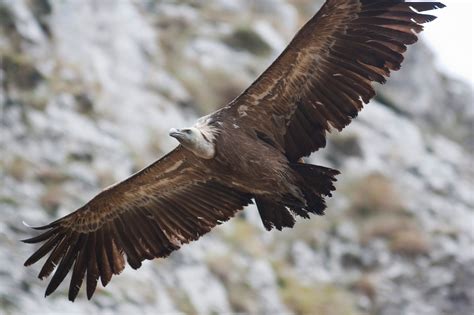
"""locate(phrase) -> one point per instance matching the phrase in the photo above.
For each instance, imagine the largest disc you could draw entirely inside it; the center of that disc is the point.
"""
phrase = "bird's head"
(194, 140)
(185, 135)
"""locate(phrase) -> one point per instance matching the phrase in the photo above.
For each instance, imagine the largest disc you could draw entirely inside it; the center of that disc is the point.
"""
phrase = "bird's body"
(244, 159)
(250, 149)
(241, 160)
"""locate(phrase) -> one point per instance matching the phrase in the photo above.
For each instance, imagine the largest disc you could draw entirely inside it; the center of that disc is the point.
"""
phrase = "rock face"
(89, 91)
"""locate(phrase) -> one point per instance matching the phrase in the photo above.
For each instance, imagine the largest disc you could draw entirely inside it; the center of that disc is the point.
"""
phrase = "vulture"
(249, 150)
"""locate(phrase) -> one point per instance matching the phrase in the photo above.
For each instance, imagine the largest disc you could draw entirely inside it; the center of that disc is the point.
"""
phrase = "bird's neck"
(201, 148)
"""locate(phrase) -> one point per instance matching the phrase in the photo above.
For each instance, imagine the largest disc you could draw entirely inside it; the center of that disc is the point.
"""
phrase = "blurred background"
(89, 90)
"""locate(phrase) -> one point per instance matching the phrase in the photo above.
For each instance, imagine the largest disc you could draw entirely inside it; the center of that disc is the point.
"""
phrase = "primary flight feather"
(249, 149)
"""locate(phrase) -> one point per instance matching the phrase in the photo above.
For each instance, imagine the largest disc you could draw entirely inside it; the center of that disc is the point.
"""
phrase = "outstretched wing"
(149, 215)
(324, 76)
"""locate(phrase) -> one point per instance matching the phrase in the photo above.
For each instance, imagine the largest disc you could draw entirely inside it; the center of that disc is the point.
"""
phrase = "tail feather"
(316, 182)
(318, 178)
(274, 215)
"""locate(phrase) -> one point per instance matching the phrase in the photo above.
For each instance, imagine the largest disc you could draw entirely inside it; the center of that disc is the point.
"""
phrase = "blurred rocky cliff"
(88, 92)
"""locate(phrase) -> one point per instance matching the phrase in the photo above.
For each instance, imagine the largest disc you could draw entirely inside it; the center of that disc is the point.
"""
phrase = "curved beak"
(175, 133)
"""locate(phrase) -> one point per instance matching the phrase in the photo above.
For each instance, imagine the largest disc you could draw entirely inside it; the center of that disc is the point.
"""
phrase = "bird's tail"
(316, 182)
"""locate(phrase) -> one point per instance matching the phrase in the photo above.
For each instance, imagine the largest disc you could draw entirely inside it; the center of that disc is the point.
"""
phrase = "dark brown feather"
(54, 258)
(79, 268)
(44, 249)
(328, 67)
(147, 224)
(65, 264)
(42, 237)
(128, 245)
(105, 267)
(274, 215)
(92, 267)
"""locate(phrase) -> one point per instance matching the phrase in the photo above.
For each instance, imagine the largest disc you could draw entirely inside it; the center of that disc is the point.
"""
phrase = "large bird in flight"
(249, 149)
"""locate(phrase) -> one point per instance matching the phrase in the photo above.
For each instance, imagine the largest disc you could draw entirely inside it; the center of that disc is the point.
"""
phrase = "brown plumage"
(249, 149)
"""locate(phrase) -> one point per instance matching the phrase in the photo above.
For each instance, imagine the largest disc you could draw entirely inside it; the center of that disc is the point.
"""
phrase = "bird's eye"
(188, 131)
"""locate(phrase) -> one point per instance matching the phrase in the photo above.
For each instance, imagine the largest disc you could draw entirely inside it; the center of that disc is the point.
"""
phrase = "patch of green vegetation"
(182, 301)
(8, 28)
(20, 71)
(306, 230)
(345, 145)
(24, 84)
(306, 9)
(7, 21)
(220, 265)
(8, 304)
(84, 103)
(372, 195)
(324, 299)
(37, 99)
(85, 157)
(379, 212)
(246, 39)
(232, 275)
(7, 200)
(41, 9)
(209, 88)
(17, 168)
(385, 226)
(242, 298)
(245, 237)
(51, 199)
(365, 285)
(388, 102)
(51, 176)
(410, 243)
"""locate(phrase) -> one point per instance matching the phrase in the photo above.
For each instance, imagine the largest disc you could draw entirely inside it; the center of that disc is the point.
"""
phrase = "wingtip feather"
(43, 227)
(426, 6)
(39, 238)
